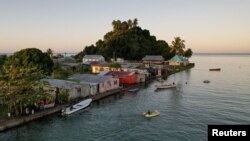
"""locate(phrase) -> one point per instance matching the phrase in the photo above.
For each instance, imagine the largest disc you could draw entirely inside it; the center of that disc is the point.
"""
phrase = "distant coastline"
(221, 54)
(69, 54)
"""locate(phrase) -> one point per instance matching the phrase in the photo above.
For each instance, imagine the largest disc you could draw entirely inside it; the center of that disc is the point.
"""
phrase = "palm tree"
(178, 46)
(50, 52)
(116, 25)
(130, 23)
(135, 22)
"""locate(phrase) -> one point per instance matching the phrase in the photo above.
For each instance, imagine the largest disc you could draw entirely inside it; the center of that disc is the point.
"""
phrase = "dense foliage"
(63, 97)
(129, 41)
(27, 62)
(3, 58)
(19, 84)
(188, 53)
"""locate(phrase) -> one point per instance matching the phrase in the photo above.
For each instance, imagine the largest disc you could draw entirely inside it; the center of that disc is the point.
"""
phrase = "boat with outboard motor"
(165, 86)
(215, 69)
(151, 114)
(76, 107)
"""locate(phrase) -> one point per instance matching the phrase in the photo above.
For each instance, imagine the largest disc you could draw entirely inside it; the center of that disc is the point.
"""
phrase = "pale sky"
(70, 25)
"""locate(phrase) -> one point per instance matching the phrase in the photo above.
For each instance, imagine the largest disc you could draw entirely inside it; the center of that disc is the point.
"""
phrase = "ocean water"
(185, 111)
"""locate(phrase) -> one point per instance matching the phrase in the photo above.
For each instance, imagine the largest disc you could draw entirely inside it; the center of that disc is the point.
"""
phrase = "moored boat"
(151, 114)
(76, 107)
(134, 90)
(215, 69)
(165, 86)
(206, 81)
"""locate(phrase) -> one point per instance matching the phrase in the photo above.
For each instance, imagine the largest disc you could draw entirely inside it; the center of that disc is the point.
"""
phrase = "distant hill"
(129, 41)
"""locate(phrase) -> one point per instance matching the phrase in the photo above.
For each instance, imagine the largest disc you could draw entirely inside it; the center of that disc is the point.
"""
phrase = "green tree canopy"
(50, 52)
(19, 84)
(27, 62)
(79, 56)
(129, 41)
(115, 65)
(188, 53)
(178, 46)
(3, 58)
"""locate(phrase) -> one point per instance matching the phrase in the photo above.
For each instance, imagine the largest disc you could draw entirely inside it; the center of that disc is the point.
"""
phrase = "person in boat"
(71, 107)
(173, 83)
(148, 112)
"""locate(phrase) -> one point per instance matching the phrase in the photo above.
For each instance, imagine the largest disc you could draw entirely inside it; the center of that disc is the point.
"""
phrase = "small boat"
(134, 90)
(215, 69)
(165, 86)
(151, 114)
(206, 81)
(74, 108)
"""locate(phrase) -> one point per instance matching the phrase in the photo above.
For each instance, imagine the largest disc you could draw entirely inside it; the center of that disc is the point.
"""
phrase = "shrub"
(63, 97)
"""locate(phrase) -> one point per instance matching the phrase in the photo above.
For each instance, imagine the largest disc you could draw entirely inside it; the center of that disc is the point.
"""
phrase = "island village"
(103, 80)
(26, 96)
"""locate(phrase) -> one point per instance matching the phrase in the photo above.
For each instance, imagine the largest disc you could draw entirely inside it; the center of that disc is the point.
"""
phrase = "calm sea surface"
(185, 111)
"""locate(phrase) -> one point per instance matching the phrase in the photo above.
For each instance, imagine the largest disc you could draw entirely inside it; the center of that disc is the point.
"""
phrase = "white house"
(93, 58)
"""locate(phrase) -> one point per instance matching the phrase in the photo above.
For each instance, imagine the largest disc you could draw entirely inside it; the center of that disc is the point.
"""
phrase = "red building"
(124, 77)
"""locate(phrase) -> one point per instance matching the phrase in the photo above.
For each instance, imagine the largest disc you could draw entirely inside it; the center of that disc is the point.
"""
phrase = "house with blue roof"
(178, 60)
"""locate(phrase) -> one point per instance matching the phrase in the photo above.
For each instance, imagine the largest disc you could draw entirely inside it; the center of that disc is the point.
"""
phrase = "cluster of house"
(106, 78)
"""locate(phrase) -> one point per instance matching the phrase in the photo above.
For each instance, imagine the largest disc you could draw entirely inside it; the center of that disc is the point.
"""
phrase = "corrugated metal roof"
(153, 58)
(61, 83)
(177, 58)
(93, 56)
(90, 78)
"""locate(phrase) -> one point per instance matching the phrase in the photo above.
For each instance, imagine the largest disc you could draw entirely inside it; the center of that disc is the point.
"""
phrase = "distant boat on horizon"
(215, 69)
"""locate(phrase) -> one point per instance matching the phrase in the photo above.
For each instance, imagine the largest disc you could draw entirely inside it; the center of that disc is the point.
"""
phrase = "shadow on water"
(107, 100)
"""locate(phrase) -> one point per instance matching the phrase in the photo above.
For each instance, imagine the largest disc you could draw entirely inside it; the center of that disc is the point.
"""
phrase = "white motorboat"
(83, 104)
(165, 86)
